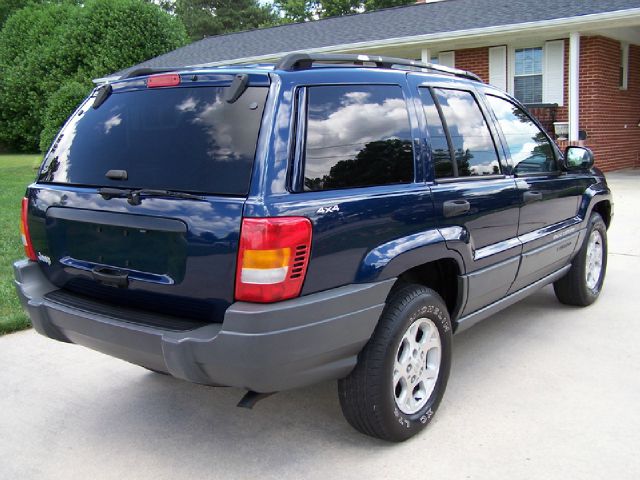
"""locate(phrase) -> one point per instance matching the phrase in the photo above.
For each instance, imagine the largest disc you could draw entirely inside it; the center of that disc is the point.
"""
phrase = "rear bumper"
(265, 348)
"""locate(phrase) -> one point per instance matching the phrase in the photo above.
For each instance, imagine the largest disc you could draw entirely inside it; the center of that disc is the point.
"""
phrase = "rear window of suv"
(185, 139)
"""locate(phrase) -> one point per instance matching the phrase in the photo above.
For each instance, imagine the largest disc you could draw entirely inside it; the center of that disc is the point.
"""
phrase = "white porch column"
(426, 55)
(574, 85)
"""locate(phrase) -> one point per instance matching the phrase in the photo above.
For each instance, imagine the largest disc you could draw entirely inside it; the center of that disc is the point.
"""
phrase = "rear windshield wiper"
(109, 193)
(134, 196)
(148, 192)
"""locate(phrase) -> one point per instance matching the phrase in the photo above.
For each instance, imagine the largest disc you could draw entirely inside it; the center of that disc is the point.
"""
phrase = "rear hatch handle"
(110, 276)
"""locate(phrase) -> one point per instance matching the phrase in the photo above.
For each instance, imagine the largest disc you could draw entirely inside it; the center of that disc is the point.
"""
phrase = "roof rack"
(301, 61)
(139, 72)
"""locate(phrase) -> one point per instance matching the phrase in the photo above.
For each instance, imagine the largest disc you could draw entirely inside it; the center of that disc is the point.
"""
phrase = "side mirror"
(577, 158)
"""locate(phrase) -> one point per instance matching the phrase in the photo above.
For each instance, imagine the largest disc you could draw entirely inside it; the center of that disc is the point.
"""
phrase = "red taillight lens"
(272, 258)
(24, 232)
(165, 80)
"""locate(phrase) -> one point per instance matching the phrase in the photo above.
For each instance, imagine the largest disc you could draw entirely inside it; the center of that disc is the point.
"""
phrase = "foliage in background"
(16, 172)
(204, 18)
(303, 10)
(45, 46)
(7, 7)
(59, 106)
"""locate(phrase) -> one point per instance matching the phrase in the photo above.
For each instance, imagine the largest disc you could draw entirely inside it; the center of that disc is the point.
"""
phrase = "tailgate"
(139, 200)
(180, 264)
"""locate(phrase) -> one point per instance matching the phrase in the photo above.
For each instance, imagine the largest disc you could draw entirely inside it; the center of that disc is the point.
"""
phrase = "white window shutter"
(448, 59)
(498, 67)
(553, 86)
(425, 56)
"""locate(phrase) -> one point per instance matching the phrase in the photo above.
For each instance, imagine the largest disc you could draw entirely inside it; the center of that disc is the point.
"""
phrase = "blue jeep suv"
(327, 217)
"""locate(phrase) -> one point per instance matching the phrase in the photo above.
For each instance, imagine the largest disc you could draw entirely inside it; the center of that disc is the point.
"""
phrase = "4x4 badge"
(334, 208)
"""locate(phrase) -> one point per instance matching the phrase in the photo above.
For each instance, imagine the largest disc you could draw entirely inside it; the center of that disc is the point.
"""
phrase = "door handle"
(530, 197)
(111, 276)
(453, 208)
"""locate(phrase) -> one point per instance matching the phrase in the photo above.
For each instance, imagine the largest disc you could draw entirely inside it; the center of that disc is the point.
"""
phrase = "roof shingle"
(412, 20)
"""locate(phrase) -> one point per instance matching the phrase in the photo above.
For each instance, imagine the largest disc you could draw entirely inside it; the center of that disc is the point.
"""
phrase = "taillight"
(165, 80)
(272, 258)
(24, 232)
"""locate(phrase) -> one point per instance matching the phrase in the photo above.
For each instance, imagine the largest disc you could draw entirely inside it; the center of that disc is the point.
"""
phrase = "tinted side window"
(357, 136)
(440, 153)
(531, 151)
(475, 152)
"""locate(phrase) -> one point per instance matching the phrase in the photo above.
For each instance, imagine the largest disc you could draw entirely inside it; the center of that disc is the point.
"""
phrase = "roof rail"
(139, 72)
(300, 61)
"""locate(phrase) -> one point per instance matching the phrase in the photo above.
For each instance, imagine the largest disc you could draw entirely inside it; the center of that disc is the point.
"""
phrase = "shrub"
(30, 70)
(44, 47)
(59, 107)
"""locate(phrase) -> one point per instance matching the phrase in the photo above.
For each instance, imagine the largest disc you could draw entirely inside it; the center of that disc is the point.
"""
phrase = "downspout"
(574, 86)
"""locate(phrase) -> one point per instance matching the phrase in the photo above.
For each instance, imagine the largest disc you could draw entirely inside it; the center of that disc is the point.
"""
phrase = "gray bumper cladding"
(265, 348)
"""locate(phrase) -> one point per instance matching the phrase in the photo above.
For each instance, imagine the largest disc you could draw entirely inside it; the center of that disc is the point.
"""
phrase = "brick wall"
(475, 60)
(605, 110)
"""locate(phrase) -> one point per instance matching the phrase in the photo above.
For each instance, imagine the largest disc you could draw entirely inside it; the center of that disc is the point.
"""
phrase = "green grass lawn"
(16, 172)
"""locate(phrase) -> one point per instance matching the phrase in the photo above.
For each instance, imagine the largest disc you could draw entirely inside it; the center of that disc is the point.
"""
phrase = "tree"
(378, 4)
(375, 164)
(304, 10)
(7, 7)
(204, 18)
(45, 46)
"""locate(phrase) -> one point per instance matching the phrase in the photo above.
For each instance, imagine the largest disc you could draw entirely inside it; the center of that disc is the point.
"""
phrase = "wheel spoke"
(430, 373)
(433, 342)
(405, 352)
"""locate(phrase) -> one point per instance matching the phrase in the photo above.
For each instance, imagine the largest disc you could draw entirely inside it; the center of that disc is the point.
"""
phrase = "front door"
(549, 198)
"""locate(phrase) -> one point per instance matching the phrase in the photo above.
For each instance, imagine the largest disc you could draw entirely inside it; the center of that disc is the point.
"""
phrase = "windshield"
(186, 139)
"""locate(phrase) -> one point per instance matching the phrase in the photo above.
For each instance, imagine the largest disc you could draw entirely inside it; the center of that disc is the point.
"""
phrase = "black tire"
(367, 395)
(572, 289)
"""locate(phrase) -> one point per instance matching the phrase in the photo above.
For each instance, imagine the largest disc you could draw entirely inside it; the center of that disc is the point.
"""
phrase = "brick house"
(575, 64)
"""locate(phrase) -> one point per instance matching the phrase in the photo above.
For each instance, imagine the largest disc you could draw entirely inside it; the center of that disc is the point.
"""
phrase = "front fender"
(593, 195)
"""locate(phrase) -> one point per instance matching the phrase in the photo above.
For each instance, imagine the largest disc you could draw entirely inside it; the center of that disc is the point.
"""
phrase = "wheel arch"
(603, 207)
(421, 258)
(597, 198)
(442, 276)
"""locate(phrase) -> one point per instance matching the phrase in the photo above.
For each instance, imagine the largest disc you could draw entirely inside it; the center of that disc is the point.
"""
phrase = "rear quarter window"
(357, 136)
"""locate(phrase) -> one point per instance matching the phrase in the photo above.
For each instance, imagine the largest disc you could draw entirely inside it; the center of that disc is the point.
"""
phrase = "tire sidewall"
(399, 423)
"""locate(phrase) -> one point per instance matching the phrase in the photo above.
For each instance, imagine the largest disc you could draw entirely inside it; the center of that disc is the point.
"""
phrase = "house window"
(527, 78)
